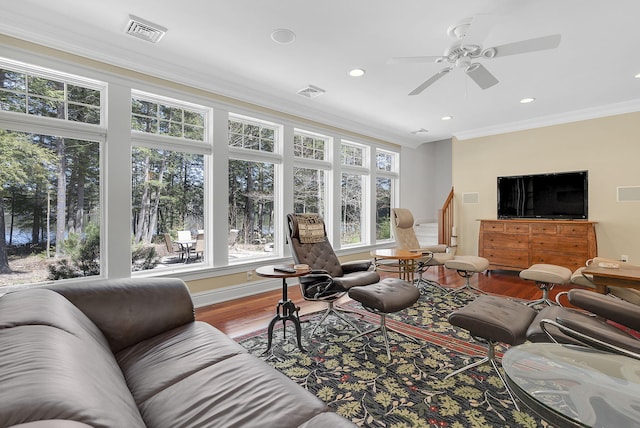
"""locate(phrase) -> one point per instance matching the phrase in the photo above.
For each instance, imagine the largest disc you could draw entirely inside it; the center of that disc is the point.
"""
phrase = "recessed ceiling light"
(637, 76)
(283, 36)
(357, 72)
(527, 100)
(447, 117)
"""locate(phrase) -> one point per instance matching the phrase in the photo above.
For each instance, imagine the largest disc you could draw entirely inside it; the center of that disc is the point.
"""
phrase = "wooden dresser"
(518, 244)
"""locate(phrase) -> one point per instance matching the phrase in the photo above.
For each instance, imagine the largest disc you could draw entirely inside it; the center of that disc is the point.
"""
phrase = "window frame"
(260, 156)
(393, 175)
(156, 141)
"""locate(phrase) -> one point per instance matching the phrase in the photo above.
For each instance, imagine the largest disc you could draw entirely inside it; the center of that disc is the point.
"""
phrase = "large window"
(67, 211)
(168, 200)
(166, 118)
(50, 193)
(351, 209)
(309, 146)
(383, 208)
(351, 154)
(386, 177)
(251, 134)
(48, 96)
(309, 190)
(51, 199)
(310, 172)
(354, 193)
(252, 177)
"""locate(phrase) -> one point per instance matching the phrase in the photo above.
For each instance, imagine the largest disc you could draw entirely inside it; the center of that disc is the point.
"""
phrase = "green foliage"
(143, 257)
(383, 229)
(84, 255)
(62, 270)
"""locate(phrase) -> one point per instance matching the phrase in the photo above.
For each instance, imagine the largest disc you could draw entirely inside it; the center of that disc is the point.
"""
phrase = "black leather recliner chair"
(329, 279)
(607, 325)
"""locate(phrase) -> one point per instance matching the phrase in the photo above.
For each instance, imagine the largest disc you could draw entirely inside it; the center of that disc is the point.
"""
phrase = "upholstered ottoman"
(385, 297)
(467, 266)
(492, 320)
(545, 277)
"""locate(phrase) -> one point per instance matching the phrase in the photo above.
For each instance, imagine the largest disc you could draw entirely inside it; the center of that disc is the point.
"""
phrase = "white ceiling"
(225, 46)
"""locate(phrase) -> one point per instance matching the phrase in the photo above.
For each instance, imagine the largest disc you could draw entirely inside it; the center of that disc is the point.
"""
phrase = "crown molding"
(630, 106)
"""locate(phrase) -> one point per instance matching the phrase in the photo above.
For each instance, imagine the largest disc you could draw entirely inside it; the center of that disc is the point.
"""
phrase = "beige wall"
(609, 148)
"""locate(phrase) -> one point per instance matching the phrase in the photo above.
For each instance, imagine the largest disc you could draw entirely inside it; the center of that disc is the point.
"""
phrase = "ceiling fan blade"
(481, 75)
(478, 30)
(412, 59)
(530, 45)
(430, 81)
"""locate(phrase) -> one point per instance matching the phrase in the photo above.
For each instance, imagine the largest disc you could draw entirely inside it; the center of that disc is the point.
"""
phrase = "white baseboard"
(219, 295)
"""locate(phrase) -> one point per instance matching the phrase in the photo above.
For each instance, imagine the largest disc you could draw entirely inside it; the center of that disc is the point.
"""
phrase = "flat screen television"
(562, 195)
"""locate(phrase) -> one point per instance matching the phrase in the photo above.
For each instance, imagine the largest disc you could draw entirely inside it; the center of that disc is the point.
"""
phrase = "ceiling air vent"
(311, 91)
(145, 30)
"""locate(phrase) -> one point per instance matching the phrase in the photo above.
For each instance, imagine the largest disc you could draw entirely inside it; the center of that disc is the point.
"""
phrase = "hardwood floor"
(242, 316)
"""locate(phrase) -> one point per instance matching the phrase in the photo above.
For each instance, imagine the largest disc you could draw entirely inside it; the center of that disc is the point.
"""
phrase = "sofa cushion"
(159, 362)
(239, 391)
(55, 365)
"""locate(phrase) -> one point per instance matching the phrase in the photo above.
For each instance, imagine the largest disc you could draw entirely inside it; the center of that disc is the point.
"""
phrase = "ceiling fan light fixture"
(527, 100)
(464, 63)
(459, 30)
(488, 53)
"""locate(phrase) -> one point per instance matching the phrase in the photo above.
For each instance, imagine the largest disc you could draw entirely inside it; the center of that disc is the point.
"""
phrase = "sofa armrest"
(608, 307)
(355, 266)
(130, 310)
(52, 423)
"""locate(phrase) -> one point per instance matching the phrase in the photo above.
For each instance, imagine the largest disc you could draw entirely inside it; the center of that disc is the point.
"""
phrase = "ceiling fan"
(464, 52)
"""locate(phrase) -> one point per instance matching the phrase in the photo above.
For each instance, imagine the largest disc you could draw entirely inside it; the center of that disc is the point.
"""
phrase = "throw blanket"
(310, 228)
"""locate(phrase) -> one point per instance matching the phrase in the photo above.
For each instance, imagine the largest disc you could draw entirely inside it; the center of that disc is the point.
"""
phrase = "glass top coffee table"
(575, 386)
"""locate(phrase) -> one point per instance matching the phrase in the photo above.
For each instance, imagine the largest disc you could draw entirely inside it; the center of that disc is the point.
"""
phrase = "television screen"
(555, 196)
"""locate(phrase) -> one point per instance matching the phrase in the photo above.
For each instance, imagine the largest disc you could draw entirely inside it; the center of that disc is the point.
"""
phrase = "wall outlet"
(624, 258)
(249, 275)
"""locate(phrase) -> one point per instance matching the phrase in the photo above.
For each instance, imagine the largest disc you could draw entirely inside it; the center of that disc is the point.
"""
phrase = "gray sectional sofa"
(128, 353)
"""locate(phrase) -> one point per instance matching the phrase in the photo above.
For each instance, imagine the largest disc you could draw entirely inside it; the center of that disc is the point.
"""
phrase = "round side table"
(286, 310)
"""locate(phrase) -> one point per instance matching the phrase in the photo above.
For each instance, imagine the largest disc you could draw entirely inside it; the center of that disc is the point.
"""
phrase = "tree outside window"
(383, 208)
(51, 198)
(386, 171)
(251, 205)
(49, 184)
(308, 190)
(351, 209)
(309, 174)
(167, 197)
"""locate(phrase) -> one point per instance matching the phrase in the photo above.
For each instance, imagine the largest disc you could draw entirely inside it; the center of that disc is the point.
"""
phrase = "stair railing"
(445, 220)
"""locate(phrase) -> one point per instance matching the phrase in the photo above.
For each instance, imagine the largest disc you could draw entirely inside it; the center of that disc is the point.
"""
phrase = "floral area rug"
(357, 380)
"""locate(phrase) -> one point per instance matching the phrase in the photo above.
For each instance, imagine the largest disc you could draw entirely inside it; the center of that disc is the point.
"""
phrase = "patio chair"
(173, 248)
